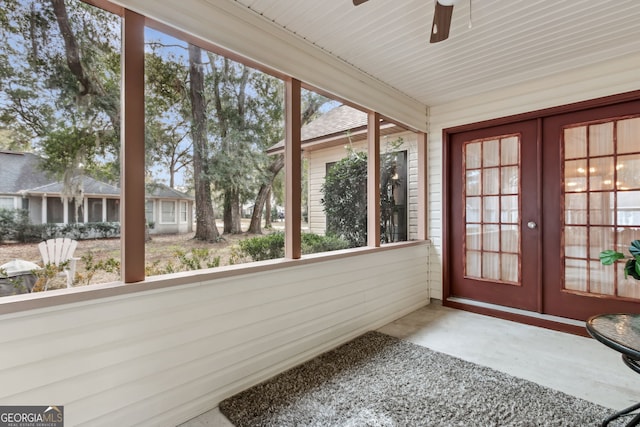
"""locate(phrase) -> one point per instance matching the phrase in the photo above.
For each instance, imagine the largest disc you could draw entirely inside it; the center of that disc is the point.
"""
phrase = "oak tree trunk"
(264, 197)
(205, 220)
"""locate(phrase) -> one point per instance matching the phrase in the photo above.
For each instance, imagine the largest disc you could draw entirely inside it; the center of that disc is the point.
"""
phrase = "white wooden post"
(44, 209)
(65, 210)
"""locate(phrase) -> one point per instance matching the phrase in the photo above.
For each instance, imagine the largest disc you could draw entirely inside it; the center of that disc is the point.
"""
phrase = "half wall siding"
(161, 357)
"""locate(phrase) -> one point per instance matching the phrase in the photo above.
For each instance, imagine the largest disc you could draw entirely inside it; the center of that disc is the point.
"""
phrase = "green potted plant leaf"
(632, 266)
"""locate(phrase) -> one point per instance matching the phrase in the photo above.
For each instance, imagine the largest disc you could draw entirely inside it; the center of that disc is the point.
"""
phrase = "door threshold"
(548, 321)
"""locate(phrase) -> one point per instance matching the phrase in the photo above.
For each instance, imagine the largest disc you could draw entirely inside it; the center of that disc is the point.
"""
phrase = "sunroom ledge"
(50, 299)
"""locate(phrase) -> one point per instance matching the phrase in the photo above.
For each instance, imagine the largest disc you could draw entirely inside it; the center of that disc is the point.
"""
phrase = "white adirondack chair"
(58, 251)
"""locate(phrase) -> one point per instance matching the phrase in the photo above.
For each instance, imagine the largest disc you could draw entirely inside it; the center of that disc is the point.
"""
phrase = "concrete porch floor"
(575, 365)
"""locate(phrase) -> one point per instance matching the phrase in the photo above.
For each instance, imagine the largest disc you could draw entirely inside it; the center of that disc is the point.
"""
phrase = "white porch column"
(44, 209)
(65, 210)
(85, 210)
(104, 209)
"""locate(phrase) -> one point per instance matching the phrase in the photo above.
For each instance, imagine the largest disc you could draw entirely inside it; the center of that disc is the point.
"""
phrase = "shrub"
(345, 196)
(271, 246)
(345, 199)
(313, 243)
(198, 259)
(6, 222)
(260, 248)
(16, 225)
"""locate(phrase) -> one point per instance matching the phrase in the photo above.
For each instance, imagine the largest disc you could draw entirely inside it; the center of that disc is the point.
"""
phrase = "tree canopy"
(209, 120)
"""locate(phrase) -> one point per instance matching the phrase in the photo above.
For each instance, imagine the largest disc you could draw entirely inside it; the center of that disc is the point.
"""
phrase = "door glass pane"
(601, 208)
(473, 267)
(575, 142)
(575, 274)
(473, 156)
(473, 239)
(490, 153)
(492, 214)
(599, 237)
(473, 187)
(574, 242)
(491, 211)
(491, 237)
(627, 170)
(575, 208)
(509, 265)
(510, 238)
(509, 180)
(601, 173)
(509, 151)
(601, 139)
(628, 209)
(603, 211)
(491, 266)
(491, 181)
(575, 175)
(509, 209)
(473, 209)
(628, 131)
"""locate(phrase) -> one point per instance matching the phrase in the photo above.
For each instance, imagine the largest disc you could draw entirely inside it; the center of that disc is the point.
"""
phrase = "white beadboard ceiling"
(510, 42)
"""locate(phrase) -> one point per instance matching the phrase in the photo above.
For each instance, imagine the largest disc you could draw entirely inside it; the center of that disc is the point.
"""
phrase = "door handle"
(532, 225)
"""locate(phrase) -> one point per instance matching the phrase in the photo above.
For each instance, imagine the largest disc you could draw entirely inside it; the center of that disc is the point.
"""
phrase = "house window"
(393, 197)
(148, 211)
(6, 203)
(95, 210)
(183, 212)
(167, 212)
(55, 210)
(113, 210)
(76, 212)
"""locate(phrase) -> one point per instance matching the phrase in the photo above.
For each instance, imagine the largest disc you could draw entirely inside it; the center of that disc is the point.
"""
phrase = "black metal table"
(620, 332)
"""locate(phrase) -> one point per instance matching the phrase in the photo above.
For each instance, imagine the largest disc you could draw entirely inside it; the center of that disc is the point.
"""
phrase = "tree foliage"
(345, 196)
(60, 86)
(208, 120)
(345, 199)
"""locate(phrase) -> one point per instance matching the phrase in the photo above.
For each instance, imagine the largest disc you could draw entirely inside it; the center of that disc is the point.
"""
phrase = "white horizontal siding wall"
(602, 80)
(164, 356)
(318, 160)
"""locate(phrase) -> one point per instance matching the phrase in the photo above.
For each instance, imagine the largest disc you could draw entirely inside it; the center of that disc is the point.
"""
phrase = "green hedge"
(271, 246)
(16, 226)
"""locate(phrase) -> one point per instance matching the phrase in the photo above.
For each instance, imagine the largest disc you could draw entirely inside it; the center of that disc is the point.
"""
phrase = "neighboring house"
(327, 139)
(25, 185)
(168, 210)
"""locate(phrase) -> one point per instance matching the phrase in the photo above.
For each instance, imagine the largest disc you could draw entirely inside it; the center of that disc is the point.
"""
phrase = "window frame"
(162, 219)
(183, 213)
(10, 199)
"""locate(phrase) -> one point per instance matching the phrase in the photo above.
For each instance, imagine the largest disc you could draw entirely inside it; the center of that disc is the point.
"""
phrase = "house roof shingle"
(22, 173)
(337, 120)
(162, 191)
(18, 172)
(337, 125)
(89, 185)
